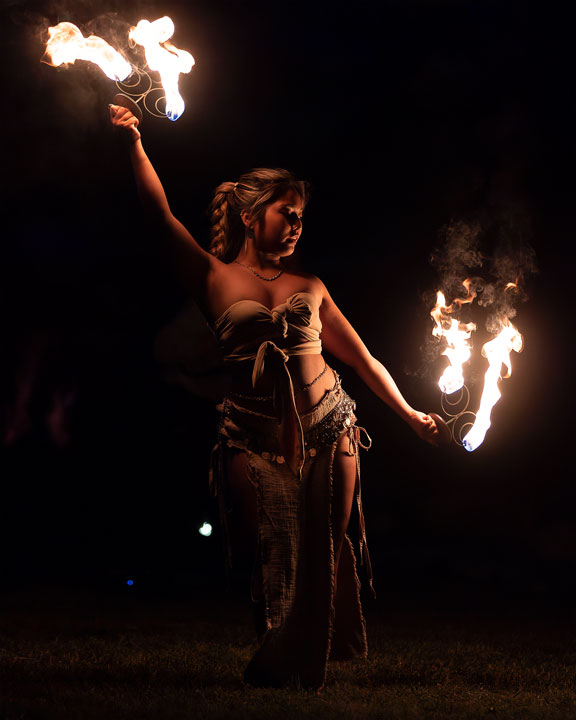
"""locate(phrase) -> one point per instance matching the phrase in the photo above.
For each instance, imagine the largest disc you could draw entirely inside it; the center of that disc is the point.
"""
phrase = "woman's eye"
(292, 216)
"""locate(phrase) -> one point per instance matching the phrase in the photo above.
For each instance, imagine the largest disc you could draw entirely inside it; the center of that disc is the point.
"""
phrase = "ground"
(68, 653)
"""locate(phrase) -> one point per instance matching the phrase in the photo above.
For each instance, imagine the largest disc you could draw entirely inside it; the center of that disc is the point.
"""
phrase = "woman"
(286, 466)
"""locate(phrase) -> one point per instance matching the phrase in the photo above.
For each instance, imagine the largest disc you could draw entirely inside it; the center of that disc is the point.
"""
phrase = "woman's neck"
(259, 260)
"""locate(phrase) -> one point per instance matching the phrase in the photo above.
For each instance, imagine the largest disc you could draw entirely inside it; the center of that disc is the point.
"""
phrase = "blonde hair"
(252, 192)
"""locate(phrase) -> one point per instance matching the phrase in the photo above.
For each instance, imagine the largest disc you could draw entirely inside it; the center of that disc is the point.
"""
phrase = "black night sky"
(405, 116)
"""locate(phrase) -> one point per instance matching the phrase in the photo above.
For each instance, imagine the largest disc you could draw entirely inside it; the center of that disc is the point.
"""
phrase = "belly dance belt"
(322, 425)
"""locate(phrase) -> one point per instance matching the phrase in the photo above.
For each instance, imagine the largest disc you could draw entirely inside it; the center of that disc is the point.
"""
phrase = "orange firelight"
(497, 352)
(456, 335)
(168, 60)
(66, 44)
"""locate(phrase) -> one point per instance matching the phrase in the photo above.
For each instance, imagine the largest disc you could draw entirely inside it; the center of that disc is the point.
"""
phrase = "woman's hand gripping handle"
(430, 427)
(125, 120)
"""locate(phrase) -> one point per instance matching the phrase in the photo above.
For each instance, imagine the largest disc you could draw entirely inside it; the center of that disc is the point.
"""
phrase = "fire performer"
(286, 466)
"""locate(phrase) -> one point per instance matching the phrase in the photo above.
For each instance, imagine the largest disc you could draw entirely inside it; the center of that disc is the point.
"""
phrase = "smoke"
(498, 261)
(511, 262)
(459, 254)
(79, 11)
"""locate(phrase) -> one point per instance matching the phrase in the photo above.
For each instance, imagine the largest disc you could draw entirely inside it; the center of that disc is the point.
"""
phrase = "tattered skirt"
(310, 618)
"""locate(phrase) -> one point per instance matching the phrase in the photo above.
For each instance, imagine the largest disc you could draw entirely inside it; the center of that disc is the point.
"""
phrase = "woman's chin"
(288, 248)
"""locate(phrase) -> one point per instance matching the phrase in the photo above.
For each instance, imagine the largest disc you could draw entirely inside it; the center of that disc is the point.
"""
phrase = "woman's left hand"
(425, 427)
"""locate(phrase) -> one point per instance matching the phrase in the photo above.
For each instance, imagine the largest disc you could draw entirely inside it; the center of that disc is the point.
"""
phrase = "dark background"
(404, 116)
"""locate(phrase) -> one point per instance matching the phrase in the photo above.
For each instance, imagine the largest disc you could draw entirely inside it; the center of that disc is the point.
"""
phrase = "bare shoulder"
(321, 291)
(312, 284)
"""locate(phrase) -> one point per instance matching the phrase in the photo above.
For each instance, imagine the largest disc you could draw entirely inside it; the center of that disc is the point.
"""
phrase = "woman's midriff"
(303, 369)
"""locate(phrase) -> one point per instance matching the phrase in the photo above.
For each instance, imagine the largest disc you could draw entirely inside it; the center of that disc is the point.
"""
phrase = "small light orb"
(205, 530)
(129, 582)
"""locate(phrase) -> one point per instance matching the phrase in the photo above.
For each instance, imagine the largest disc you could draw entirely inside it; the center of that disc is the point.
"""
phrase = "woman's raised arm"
(340, 339)
(194, 262)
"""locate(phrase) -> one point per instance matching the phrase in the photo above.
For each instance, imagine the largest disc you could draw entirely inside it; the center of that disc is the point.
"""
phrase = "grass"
(79, 656)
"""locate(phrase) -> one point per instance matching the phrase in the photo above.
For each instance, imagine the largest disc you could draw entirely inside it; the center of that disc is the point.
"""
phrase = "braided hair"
(253, 192)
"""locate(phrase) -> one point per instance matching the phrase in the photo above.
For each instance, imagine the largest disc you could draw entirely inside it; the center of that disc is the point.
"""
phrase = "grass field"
(79, 655)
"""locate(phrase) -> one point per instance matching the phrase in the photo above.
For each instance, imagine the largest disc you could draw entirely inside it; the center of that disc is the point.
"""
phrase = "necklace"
(249, 267)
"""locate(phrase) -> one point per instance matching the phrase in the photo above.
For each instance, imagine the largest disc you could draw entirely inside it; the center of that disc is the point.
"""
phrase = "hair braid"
(222, 223)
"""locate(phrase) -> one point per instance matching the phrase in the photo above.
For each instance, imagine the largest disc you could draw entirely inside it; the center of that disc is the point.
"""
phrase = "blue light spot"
(130, 582)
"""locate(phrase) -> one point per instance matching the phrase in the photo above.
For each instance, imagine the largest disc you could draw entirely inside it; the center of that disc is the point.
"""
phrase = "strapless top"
(293, 326)
(248, 330)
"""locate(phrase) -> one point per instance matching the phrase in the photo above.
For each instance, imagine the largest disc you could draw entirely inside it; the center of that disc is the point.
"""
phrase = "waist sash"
(271, 357)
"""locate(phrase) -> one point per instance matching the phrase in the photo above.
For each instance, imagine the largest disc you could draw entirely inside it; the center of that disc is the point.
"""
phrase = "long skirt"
(310, 615)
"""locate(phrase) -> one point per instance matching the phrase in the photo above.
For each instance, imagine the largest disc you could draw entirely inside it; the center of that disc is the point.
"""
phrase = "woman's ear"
(246, 218)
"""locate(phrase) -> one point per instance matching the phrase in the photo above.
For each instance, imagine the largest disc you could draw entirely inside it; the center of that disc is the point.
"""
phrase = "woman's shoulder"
(311, 283)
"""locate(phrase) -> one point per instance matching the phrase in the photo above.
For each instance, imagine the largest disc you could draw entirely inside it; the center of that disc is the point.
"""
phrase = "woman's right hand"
(122, 118)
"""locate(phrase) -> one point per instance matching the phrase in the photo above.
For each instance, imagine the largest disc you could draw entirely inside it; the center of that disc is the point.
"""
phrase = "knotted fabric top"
(248, 330)
(294, 326)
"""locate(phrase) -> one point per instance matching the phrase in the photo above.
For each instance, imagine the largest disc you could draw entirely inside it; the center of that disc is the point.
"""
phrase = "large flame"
(165, 58)
(66, 44)
(497, 352)
(457, 336)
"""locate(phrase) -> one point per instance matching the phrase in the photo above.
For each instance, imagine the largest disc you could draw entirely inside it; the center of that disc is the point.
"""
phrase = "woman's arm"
(340, 339)
(194, 262)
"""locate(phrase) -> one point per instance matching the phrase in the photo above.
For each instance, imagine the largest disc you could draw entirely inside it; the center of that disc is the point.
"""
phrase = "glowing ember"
(457, 336)
(165, 58)
(66, 44)
(497, 352)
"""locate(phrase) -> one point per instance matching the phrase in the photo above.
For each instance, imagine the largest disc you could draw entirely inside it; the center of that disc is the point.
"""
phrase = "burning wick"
(168, 60)
(457, 335)
(66, 44)
(497, 352)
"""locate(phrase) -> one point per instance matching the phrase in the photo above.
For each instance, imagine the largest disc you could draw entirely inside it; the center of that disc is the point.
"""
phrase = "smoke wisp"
(493, 264)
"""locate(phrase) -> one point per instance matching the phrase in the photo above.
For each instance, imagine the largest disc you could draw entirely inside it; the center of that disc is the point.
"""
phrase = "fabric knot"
(290, 426)
(297, 307)
(267, 353)
(279, 320)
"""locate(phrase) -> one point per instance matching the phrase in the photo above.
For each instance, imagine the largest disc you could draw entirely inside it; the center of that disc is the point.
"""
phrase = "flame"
(456, 334)
(66, 44)
(497, 352)
(165, 58)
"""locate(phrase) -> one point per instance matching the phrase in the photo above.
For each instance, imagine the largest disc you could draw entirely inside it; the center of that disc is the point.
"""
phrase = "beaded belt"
(268, 398)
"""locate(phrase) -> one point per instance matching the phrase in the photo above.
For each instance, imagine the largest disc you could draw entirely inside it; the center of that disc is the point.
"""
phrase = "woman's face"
(279, 228)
